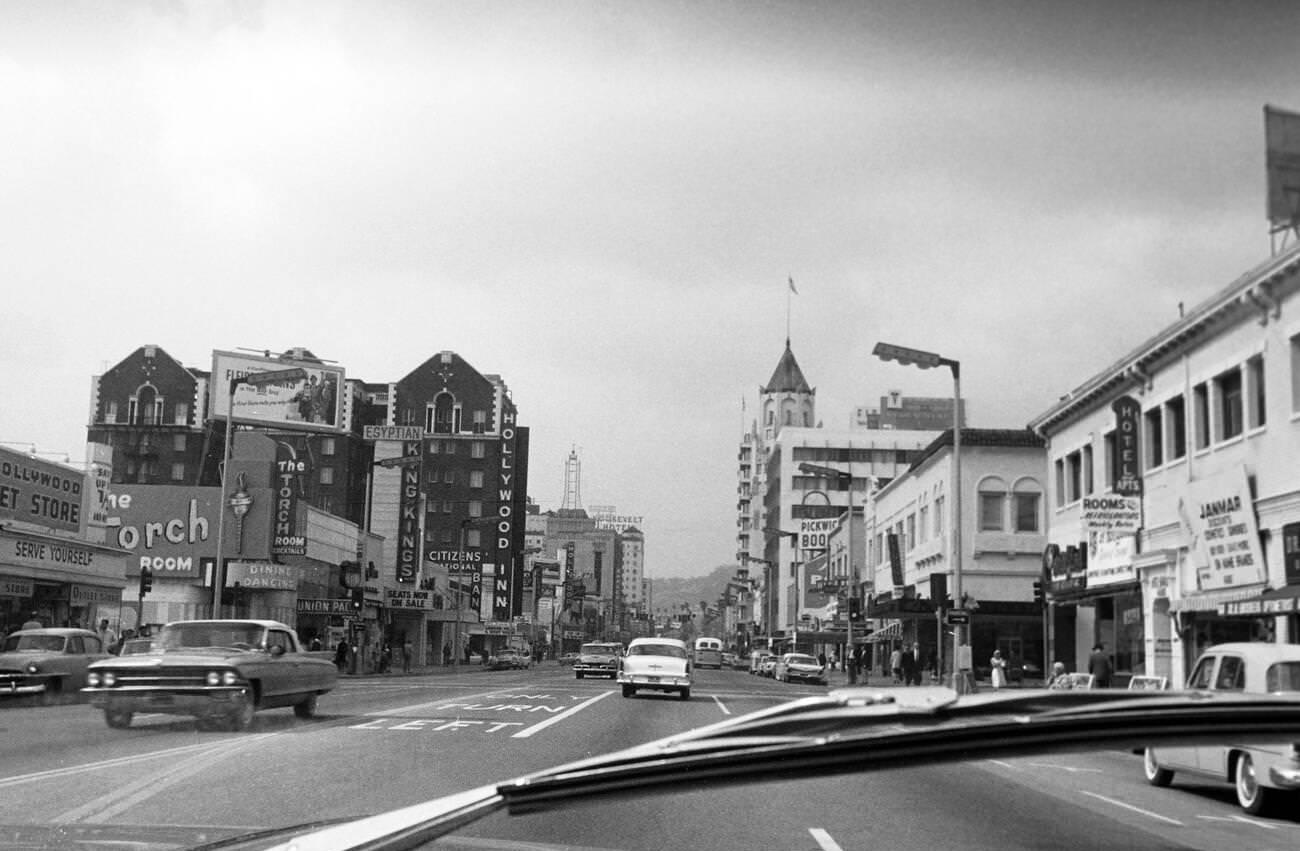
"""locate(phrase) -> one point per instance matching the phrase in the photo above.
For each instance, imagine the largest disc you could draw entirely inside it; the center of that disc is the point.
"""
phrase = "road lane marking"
(555, 719)
(721, 705)
(823, 839)
(1070, 769)
(1002, 763)
(119, 800)
(1139, 810)
(115, 762)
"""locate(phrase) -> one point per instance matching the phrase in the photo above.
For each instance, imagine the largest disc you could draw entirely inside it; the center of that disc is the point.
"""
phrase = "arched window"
(443, 412)
(992, 504)
(1026, 505)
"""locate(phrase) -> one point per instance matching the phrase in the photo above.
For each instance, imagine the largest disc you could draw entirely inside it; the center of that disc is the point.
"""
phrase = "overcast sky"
(602, 202)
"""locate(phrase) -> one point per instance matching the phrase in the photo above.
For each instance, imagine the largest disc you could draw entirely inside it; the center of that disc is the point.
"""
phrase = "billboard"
(309, 400)
(40, 492)
(1282, 162)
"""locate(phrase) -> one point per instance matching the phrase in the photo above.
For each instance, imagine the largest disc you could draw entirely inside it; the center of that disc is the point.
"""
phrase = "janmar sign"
(36, 491)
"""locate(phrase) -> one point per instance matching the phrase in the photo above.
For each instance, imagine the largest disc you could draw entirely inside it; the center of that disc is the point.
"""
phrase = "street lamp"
(253, 379)
(847, 478)
(794, 603)
(928, 360)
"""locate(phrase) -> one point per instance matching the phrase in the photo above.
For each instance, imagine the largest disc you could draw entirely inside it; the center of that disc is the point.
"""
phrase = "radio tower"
(572, 481)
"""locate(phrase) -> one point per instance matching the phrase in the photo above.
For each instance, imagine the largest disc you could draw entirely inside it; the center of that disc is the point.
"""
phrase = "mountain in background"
(672, 592)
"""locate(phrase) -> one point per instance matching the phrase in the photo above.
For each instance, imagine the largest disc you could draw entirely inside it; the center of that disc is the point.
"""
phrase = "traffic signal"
(855, 608)
(146, 581)
(1039, 599)
(358, 599)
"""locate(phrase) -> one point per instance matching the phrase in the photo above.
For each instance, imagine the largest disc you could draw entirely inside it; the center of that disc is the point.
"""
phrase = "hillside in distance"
(671, 593)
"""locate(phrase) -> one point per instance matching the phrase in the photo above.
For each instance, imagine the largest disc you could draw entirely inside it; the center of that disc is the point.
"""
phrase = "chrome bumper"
(1284, 778)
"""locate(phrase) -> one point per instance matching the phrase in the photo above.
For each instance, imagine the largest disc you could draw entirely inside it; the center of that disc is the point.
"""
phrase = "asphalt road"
(385, 742)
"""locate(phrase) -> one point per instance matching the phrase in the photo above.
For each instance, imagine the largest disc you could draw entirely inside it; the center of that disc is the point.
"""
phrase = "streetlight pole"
(927, 360)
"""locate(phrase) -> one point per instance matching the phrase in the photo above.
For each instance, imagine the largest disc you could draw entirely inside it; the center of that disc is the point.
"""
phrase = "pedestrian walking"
(408, 650)
(1099, 666)
(896, 664)
(107, 638)
(907, 661)
(999, 670)
(341, 656)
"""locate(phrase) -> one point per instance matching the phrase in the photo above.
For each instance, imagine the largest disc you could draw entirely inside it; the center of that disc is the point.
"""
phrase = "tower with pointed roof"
(787, 399)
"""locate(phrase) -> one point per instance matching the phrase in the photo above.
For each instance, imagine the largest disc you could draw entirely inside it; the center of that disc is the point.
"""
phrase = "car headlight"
(33, 668)
(110, 679)
(214, 678)
(229, 678)
(92, 679)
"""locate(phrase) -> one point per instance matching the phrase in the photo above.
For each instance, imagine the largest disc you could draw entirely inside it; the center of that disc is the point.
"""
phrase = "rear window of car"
(799, 659)
(657, 650)
(1282, 676)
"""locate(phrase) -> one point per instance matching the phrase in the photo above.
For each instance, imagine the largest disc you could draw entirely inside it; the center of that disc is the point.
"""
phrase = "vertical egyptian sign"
(408, 514)
(1282, 163)
(1127, 470)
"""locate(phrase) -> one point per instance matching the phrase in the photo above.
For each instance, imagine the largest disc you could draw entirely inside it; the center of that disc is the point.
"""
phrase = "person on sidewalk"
(408, 650)
(896, 664)
(1099, 666)
(999, 670)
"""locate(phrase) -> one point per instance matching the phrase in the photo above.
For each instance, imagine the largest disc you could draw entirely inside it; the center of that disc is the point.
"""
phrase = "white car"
(1263, 774)
(656, 664)
(799, 666)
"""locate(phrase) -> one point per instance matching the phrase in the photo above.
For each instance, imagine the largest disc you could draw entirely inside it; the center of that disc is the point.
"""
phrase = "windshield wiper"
(856, 730)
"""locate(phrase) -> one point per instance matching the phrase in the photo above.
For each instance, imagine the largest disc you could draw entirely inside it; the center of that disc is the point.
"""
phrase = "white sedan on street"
(656, 664)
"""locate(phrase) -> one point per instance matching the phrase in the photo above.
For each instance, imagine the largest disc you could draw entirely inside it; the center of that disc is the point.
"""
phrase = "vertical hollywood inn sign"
(505, 520)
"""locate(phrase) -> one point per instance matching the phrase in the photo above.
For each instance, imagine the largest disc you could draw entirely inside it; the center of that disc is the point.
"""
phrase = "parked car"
(656, 664)
(728, 659)
(598, 659)
(790, 667)
(767, 666)
(1266, 775)
(49, 662)
(219, 671)
(509, 659)
(569, 658)
(756, 658)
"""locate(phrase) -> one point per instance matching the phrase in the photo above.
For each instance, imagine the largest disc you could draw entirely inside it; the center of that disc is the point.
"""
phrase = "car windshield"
(39, 643)
(403, 397)
(657, 650)
(191, 636)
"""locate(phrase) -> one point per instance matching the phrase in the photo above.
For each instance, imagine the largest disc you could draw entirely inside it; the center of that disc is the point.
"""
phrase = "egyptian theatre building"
(449, 495)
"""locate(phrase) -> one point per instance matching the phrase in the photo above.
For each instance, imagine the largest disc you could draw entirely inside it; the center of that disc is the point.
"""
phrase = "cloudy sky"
(602, 202)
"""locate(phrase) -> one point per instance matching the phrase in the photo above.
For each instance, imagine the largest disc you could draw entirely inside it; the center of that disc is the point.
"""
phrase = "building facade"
(1174, 517)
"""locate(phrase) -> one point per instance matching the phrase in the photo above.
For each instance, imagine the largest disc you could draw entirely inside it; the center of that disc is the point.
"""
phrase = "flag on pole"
(792, 289)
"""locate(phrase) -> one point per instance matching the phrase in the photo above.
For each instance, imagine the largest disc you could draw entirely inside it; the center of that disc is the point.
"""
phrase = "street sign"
(906, 356)
(958, 617)
(376, 432)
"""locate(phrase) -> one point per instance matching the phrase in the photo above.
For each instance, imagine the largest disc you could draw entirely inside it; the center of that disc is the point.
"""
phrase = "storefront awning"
(1210, 601)
(1278, 601)
(888, 633)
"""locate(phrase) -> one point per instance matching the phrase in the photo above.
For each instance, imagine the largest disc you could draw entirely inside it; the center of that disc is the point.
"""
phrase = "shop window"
(1228, 404)
(991, 505)
(1201, 415)
(1153, 434)
(1256, 416)
(1026, 505)
(1176, 428)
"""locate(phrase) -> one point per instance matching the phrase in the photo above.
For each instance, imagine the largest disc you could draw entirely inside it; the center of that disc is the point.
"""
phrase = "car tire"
(578, 674)
(629, 691)
(1254, 798)
(685, 694)
(53, 693)
(1155, 775)
(306, 708)
(241, 715)
(118, 719)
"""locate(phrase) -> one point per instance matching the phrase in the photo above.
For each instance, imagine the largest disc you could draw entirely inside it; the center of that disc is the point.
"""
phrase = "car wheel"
(1155, 775)
(53, 693)
(686, 694)
(1251, 796)
(241, 715)
(307, 708)
(579, 674)
(118, 719)
(629, 691)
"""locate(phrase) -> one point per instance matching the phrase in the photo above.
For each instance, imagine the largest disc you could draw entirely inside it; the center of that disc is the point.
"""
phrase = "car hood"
(597, 657)
(22, 658)
(183, 656)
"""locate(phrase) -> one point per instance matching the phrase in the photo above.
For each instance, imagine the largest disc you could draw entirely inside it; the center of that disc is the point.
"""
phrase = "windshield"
(43, 643)
(191, 636)
(402, 397)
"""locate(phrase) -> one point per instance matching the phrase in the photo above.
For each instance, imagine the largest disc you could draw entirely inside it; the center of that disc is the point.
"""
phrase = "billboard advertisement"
(40, 492)
(306, 396)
